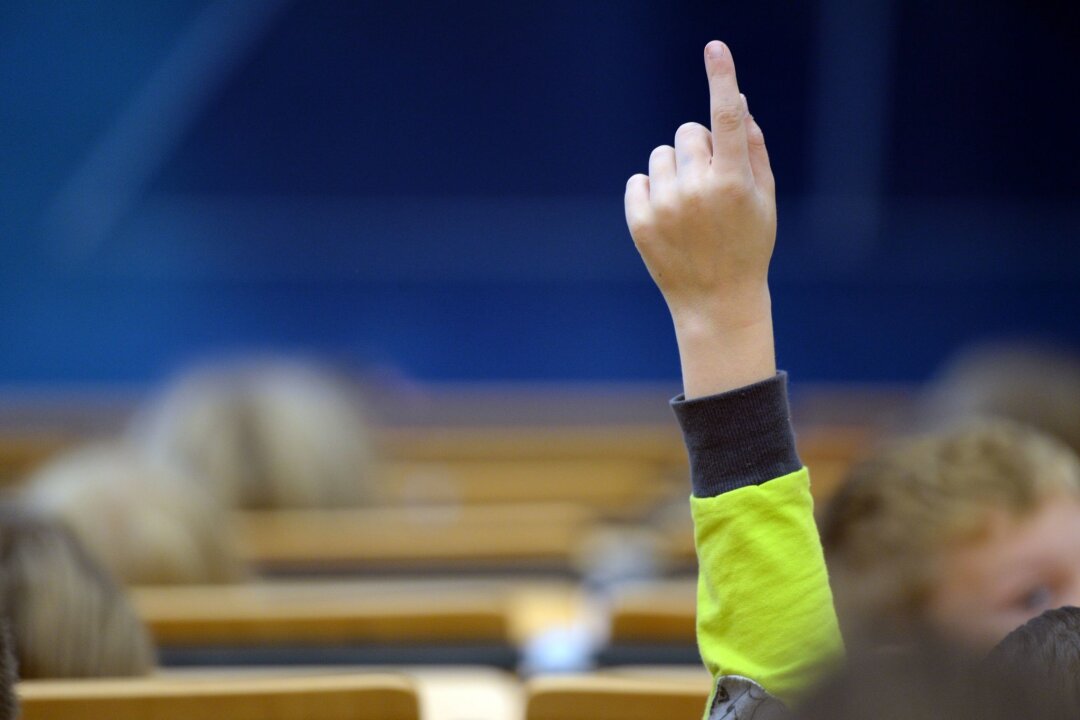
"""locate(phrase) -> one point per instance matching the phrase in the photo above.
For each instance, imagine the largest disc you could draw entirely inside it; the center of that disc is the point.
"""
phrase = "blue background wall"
(437, 187)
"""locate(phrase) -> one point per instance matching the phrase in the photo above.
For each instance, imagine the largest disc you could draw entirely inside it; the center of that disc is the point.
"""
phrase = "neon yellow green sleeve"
(765, 610)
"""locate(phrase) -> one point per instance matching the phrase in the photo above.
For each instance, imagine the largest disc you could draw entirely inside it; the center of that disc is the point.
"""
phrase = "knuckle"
(665, 209)
(693, 191)
(660, 152)
(727, 116)
(640, 229)
(755, 135)
(732, 187)
(690, 129)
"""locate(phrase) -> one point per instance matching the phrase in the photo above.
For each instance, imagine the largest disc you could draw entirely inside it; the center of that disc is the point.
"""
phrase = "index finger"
(726, 111)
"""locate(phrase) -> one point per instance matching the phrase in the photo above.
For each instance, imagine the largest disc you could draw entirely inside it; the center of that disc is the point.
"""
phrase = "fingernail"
(715, 49)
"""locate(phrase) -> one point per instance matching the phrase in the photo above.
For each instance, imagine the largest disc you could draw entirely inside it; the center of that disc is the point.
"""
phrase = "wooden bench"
(652, 443)
(652, 623)
(661, 611)
(320, 612)
(20, 452)
(342, 697)
(355, 622)
(612, 487)
(513, 536)
(615, 697)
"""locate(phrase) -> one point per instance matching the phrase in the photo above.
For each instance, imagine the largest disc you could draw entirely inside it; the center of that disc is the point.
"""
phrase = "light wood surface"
(342, 697)
(446, 693)
(614, 697)
(661, 611)
(318, 612)
(21, 452)
(613, 486)
(313, 612)
(487, 535)
(658, 443)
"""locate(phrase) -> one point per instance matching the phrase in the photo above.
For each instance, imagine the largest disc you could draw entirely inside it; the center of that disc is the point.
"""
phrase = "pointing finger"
(730, 155)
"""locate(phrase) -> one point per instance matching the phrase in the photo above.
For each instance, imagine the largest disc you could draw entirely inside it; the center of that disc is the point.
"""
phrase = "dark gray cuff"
(738, 438)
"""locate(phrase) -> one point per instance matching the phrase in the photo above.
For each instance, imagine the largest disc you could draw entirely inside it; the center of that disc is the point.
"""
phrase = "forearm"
(723, 347)
(704, 221)
(764, 606)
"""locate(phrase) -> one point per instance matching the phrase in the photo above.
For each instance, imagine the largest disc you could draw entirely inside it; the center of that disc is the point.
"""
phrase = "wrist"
(726, 347)
(730, 314)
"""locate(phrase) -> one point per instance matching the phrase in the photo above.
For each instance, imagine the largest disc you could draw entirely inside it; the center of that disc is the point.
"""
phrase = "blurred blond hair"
(1031, 384)
(9, 705)
(143, 520)
(264, 435)
(898, 509)
(67, 617)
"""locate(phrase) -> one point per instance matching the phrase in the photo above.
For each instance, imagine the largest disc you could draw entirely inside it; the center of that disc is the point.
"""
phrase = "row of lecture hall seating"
(418, 605)
(308, 694)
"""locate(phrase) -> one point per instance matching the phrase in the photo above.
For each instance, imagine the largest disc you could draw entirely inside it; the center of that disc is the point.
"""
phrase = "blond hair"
(144, 521)
(9, 704)
(264, 435)
(1038, 386)
(67, 617)
(887, 524)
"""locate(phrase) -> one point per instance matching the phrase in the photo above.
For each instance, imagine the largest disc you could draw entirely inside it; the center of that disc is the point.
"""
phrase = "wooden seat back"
(614, 697)
(514, 535)
(311, 613)
(343, 697)
(655, 612)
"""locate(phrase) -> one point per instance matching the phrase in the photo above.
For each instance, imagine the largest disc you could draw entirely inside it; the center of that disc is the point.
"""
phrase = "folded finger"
(662, 172)
(637, 206)
(693, 149)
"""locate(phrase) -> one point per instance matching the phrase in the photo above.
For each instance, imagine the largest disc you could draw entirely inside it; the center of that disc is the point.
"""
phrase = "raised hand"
(704, 221)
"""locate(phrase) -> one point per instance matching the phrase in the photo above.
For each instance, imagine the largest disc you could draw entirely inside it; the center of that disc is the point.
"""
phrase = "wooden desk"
(650, 443)
(341, 697)
(20, 453)
(662, 612)
(615, 697)
(486, 536)
(319, 612)
(613, 486)
(322, 612)
(445, 693)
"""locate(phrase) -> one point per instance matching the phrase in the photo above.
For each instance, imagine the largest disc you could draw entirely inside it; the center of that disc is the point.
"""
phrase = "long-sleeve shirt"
(766, 625)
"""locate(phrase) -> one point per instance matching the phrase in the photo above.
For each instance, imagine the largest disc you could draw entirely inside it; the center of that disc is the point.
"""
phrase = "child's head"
(66, 615)
(146, 522)
(1030, 384)
(975, 531)
(931, 678)
(1046, 651)
(9, 705)
(263, 435)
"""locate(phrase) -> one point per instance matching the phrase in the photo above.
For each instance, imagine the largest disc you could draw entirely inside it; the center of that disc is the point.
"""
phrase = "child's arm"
(704, 221)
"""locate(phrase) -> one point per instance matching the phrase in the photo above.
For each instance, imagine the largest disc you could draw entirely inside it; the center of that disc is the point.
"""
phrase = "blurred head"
(933, 679)
(1047, 650)
(67, 617)
(975, 530)
(1029, 384)
(263, 436)
(9, 706)
(144, 521)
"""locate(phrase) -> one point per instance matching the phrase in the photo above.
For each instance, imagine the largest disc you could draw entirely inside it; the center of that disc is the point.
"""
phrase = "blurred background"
(434, 190)
(321, 331)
